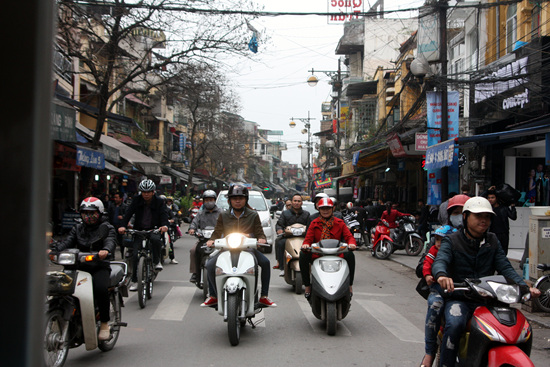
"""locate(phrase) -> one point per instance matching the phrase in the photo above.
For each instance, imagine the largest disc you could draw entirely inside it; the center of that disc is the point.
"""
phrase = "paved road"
(383, 328)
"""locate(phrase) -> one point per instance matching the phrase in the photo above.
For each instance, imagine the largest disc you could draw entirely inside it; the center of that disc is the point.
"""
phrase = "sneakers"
(264, 301)
(104, 332)
(193, 278)
(174, 261)
(210, 301)
(133, 287)
(282, 273)
(159, 266)
(276, 266)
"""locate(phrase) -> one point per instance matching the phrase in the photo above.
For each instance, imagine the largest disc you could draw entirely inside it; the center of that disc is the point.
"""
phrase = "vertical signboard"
(428, 35)
(341, 11)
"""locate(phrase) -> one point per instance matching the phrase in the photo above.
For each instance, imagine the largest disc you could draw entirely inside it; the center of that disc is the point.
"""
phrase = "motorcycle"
(382, 243)
(498, 335)
(295, 235)
(192, 214)
(543, 285)
(356, 230)
(71, 317)
(386, 241)
(204, 235)
(237, 283)
(330, 277)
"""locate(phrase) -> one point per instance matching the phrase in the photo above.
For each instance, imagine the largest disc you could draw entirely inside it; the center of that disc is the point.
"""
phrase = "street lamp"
(307, 130)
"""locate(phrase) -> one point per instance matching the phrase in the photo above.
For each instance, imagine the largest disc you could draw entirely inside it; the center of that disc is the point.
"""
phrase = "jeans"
(306, 259)
(280, 251)
(263, 262)
(156, 246)
(433, 319)
(457, 314)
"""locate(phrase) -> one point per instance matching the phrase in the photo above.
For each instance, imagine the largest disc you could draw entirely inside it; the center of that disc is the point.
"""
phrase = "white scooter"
(237, 283)
(330, 277)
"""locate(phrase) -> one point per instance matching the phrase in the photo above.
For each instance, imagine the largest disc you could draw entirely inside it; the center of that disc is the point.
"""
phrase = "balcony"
(353, 39)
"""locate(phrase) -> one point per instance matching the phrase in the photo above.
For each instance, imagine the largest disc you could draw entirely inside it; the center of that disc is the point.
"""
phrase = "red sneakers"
(267, 302)
(210, 301)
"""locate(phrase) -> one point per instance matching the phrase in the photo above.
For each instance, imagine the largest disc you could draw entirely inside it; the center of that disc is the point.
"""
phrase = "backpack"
(420, 265)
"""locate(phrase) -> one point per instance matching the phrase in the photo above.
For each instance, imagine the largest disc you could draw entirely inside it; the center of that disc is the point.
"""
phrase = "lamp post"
(307, 130)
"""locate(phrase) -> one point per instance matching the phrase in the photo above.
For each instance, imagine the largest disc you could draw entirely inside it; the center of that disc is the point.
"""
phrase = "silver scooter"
(330, 281)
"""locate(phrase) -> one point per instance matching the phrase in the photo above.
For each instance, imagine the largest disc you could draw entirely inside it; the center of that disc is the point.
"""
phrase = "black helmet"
(238, 190)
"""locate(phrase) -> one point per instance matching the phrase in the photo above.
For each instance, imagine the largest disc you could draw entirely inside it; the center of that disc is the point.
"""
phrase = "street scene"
(250, 182)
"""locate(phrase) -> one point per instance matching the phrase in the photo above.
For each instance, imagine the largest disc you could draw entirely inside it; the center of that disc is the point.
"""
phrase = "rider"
(390, 215)
(295, 214)
(471, 252)
(454, 210)
(326, 226)
(239, 218)
(172, 211)
(197, 203)
(94, 234)
(150, 212)
(316, 200)
(115, 213)
(207, 217)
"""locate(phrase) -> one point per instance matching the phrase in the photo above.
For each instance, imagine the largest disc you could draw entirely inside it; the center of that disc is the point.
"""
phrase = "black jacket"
(158, 210)
(111, 213)
(248, 223)
(500, 223)
(290, 217)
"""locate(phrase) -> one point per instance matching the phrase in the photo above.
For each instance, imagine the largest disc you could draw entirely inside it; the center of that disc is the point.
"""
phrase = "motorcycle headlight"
(265, 223)
(234, 240)
(297, 231)
(66, 258)
(330, 266)
(506, 293)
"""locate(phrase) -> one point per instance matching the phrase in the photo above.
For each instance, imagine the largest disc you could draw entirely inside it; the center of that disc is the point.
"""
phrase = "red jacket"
(339, 232)
(429, 260)
(392, 217)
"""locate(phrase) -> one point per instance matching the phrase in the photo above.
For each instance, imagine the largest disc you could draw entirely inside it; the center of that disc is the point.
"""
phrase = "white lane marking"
(398, 325)
(174, 305)
(316, 324)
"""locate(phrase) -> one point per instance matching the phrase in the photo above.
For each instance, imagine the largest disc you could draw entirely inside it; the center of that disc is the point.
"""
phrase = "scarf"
(326, 227)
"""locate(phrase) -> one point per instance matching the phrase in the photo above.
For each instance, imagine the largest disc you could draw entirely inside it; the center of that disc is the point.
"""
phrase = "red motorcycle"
(382, 243)
(498, 335)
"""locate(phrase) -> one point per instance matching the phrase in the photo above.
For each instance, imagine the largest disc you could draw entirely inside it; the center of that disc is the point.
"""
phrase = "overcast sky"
(273, 87)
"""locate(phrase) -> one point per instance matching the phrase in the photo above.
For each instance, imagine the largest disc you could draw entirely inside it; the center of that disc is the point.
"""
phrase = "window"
(511, 27)
(472, 50)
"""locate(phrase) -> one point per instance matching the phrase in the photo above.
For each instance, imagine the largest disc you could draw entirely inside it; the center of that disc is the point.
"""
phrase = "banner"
(319, 184)
(440, 155)
(395, 146)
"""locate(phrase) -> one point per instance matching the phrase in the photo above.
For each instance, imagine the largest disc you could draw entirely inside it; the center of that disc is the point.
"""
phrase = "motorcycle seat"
(329, 243)
(117, 274)
(543, 267)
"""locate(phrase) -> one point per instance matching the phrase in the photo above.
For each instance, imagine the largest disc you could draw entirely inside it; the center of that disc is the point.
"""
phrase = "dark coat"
(248, 223)
(158, 210)
(290, 217)
(111, 213)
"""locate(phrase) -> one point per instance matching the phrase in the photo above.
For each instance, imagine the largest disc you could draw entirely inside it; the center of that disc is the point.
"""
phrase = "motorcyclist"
(295, 214)
(94, 234)
(197, 203)
(326, 226)
(150, 212)
(390, 215)
(206, 218)
(471, 252)
(173, 222)
(454, 210)
(239, 218)
(316, 200)
(115, 213)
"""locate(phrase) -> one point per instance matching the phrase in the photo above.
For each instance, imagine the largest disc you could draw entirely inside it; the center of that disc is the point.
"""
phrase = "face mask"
(210, 205)
(90, 218)
(456, 220)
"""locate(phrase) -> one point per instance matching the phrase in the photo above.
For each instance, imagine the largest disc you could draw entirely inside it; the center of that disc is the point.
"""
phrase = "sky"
(272, 86)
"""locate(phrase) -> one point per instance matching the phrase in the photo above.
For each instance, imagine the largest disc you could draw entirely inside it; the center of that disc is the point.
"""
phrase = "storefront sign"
(515, 101)
(395, 146)
(165, 180)
(509, 76)
(346, 10)
(62, 121)
(90, 158)
(440, 155)
(65, 158)
(420, 142)
(111, 154)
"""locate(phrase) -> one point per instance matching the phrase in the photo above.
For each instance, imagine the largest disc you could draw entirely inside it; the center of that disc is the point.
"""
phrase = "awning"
(328, 132)
(133, 98)
(124, 139)
(182, 175)
(111, 167)
(504, 135)
(440, 155)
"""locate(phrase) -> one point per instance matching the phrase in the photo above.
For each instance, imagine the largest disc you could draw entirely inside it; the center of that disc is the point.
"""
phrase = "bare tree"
(126, 46)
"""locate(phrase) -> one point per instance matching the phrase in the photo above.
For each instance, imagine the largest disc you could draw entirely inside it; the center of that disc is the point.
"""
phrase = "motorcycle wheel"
(56, 348)
(115, 315)
(298, 282)
(414, 246)
(233, 324)
(383, 250)
(204, 282)
(331, 318)
(142, 280)
(543, 302)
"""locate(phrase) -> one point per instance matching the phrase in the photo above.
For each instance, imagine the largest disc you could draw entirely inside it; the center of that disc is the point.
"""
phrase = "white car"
(258, 202)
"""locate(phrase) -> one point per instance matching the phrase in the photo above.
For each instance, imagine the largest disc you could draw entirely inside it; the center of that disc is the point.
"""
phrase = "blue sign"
(440, 155)
(355, 158)
(90, 158)
(182, 142)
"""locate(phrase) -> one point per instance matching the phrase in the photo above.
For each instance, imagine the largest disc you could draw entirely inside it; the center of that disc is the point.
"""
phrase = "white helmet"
(478, 204)
(320, 196)
(349, 205)
(146, 186)
(333, 200)
(325, 202)
(209, 194)
(92, 203)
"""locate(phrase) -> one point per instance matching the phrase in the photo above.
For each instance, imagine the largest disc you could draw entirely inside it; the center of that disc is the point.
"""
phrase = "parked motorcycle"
(204, 235)
(499, 335)
(330, 277)
(386, 241)
(543, 285)
(71, 317)
(295, 235)
(361, 238)
(237, 283)
(382, 243)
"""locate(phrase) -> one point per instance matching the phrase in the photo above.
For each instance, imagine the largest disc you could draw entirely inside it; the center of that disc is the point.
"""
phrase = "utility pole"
(444, 132)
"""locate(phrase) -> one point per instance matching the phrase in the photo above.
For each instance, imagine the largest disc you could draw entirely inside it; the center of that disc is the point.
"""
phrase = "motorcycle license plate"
(409, 227)
(357, 235)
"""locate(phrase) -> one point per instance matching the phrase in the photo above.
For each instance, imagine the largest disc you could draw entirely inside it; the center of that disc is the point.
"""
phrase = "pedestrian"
(423, 218)
(500, 224)
(115, 212)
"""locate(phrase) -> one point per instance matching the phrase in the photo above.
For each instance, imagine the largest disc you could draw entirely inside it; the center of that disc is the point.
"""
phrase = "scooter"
(70, 312)
(499, 335)
(355, 229)
(204, 235)
(330, 277)
(382, 243)
(405, 237)
(295, 235)
(237, 283)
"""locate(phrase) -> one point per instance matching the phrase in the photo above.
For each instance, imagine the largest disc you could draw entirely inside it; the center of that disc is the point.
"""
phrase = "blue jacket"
(460, 257)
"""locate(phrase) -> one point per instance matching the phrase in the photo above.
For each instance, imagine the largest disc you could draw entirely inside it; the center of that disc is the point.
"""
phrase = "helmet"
(333, 200)
(457, 200)
(163, 197)
(147, 185)
(319, 196)
(197, 197)
(478, 204)
(92, 203)
(444, 231)
(325, 202)
(169, 198)
(349, 205)
(209, 194)
(237, 190)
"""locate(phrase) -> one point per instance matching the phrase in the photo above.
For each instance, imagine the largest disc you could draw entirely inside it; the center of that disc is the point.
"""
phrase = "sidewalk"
(514, 256)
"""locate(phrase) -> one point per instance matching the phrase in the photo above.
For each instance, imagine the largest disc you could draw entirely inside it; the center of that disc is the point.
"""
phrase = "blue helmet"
(444, 231)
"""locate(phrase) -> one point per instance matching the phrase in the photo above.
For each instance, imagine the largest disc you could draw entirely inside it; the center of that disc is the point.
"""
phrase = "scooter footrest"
(123, 324)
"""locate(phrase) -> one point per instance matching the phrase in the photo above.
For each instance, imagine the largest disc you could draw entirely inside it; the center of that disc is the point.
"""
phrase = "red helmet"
(92, 203)
(325, 202)
(457, 200)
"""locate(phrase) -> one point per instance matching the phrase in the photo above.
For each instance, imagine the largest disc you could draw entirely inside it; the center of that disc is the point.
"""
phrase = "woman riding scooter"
(326, 226)
(94, 234)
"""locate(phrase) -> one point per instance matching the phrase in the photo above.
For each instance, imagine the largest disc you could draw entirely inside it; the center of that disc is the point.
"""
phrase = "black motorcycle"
(405, 236)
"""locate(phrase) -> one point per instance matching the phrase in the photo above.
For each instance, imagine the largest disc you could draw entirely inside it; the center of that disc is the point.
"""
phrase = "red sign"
(421, 142)
(395, 146)
(65, 158)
